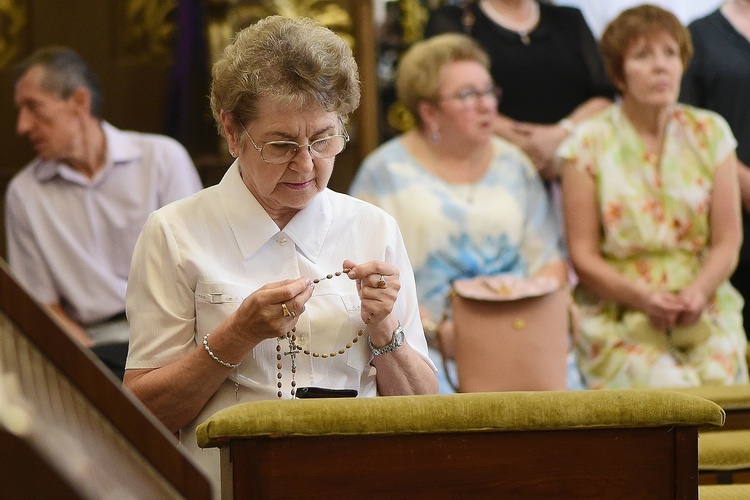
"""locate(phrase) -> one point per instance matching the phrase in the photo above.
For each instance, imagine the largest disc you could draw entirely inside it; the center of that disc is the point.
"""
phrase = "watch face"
(398, 336)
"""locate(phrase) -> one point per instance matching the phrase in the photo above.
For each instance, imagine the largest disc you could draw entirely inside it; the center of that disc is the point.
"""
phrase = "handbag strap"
(439, 338)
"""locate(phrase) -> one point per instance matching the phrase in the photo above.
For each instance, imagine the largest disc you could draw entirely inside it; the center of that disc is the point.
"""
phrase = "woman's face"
(652, 70)
(286, 188)
(467, 106)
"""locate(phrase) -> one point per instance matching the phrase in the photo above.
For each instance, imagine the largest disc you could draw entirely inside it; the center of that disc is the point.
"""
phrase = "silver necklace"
(522, 28)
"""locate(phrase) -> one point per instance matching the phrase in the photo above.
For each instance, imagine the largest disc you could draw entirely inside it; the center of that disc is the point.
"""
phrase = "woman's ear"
(427, 113)
(227, 121)
(619, 84)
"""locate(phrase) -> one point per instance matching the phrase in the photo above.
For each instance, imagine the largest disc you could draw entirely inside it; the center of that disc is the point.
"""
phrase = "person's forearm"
(588, 109)
(404, 372)
(718, 265)
(73, 327)
(609, 284)
(177, 392)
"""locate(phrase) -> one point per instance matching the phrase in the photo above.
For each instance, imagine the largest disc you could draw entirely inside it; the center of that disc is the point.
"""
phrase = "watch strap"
(397, 340)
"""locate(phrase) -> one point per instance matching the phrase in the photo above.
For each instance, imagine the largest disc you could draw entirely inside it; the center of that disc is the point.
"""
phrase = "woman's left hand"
(694, 303)
(378, 285)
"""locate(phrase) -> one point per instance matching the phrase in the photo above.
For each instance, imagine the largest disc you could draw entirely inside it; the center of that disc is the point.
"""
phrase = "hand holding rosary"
(291, 338)
(293, 349)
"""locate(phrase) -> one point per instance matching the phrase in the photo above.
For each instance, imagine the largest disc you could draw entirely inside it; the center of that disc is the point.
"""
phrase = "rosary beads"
(295, 349)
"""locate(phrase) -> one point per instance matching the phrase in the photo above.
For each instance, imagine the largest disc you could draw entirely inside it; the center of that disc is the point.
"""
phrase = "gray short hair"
(64, 72)
(291, 62)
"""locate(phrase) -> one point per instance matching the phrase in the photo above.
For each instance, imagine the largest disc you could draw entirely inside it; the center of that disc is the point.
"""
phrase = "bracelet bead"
(215, 357)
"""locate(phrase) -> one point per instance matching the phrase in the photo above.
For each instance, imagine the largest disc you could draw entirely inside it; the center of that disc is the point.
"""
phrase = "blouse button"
(282, 241)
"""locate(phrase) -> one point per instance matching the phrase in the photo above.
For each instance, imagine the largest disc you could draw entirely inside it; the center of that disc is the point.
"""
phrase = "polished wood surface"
(73, 416)
(22, 469)
(736, 419)
(609, 463)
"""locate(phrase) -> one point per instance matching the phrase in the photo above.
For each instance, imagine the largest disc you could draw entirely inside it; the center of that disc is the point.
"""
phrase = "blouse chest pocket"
(214, 301)
(336, 322)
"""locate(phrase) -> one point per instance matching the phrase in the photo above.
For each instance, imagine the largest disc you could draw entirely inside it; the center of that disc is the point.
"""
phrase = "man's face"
(50, 123)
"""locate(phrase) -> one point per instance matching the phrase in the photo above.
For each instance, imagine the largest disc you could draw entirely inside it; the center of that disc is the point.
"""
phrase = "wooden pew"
(67, 429)
(724, 456)
(578, 444)
(734, 399)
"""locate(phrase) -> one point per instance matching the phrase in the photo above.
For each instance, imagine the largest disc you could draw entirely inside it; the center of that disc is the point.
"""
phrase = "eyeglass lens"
(474, 95)
(281, 151)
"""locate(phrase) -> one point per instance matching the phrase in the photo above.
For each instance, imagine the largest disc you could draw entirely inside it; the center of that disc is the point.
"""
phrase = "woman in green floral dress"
(652, 217)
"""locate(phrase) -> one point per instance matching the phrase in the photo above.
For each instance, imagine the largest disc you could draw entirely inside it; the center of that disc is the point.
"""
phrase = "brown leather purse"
(511, 334)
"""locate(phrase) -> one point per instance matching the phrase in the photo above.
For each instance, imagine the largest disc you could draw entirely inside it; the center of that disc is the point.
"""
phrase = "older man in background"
(74, 212)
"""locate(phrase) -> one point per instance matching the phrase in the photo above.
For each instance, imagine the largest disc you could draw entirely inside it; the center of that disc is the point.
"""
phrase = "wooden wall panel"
(133, 75)
(130, 44)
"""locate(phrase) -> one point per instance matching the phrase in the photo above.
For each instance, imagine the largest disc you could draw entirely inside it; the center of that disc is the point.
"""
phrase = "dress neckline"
(522, 30)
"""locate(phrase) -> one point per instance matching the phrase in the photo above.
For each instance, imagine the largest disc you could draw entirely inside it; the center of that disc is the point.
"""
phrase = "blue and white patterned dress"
(501, 224)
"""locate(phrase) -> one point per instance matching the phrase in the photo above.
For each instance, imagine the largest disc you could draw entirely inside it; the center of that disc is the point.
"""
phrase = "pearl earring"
(435, 134)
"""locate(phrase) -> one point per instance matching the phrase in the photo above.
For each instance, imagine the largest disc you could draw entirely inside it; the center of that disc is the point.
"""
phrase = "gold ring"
(381, 282)
(284, 311)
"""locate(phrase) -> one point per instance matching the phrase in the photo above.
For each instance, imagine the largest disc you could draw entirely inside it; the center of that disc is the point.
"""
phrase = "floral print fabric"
(655, 223)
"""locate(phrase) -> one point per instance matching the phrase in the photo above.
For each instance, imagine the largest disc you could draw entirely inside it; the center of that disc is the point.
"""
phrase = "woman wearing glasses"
(269, 281)
(468, 203)
(546, 60)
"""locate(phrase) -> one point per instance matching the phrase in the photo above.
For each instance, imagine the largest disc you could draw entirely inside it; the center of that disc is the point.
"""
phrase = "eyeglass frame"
(298, 146)
(471, 96)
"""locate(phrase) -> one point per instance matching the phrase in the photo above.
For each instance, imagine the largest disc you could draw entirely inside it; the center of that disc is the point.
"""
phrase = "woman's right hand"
(663, 309)
(272, 310)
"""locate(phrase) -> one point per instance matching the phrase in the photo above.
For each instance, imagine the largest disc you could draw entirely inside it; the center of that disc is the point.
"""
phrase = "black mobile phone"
(321, 392)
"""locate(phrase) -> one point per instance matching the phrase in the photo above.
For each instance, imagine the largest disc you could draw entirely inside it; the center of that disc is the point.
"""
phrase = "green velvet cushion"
(729, 397)
(724, 491)
(469, 412)
(726, 450)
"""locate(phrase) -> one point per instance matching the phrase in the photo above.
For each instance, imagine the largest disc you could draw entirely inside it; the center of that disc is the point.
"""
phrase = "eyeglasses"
(276, 152)
(470, 96)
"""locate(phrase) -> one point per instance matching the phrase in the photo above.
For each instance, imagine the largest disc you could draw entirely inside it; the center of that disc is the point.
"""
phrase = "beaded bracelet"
(216, 358)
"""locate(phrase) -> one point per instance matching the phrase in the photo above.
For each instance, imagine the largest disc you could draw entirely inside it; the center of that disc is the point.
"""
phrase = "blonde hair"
(635, 23)
(417, 75)
(294, 63)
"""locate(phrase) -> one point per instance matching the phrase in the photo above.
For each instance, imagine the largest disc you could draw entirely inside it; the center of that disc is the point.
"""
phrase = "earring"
(435, 134)
(233, 153)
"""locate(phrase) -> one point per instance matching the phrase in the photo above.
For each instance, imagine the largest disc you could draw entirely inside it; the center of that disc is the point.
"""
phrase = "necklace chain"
(522, 28)
(294, 349)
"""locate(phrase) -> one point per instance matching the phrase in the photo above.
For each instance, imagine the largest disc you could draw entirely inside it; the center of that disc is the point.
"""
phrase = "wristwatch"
(396, 341)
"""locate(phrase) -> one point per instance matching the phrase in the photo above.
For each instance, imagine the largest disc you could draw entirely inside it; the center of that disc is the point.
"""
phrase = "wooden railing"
(67, 429)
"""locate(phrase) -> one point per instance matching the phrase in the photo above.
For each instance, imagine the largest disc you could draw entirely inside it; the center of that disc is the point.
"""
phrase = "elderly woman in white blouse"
(269, 282)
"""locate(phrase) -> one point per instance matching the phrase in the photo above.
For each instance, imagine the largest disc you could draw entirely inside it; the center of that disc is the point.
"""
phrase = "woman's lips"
(298, 186)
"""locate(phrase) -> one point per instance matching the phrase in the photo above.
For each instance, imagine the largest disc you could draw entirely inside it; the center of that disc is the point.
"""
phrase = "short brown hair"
(419, 68)
(634, 23)
(293, 62)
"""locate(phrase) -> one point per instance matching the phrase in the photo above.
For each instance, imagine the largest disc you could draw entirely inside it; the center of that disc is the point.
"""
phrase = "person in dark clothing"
(717, 79)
